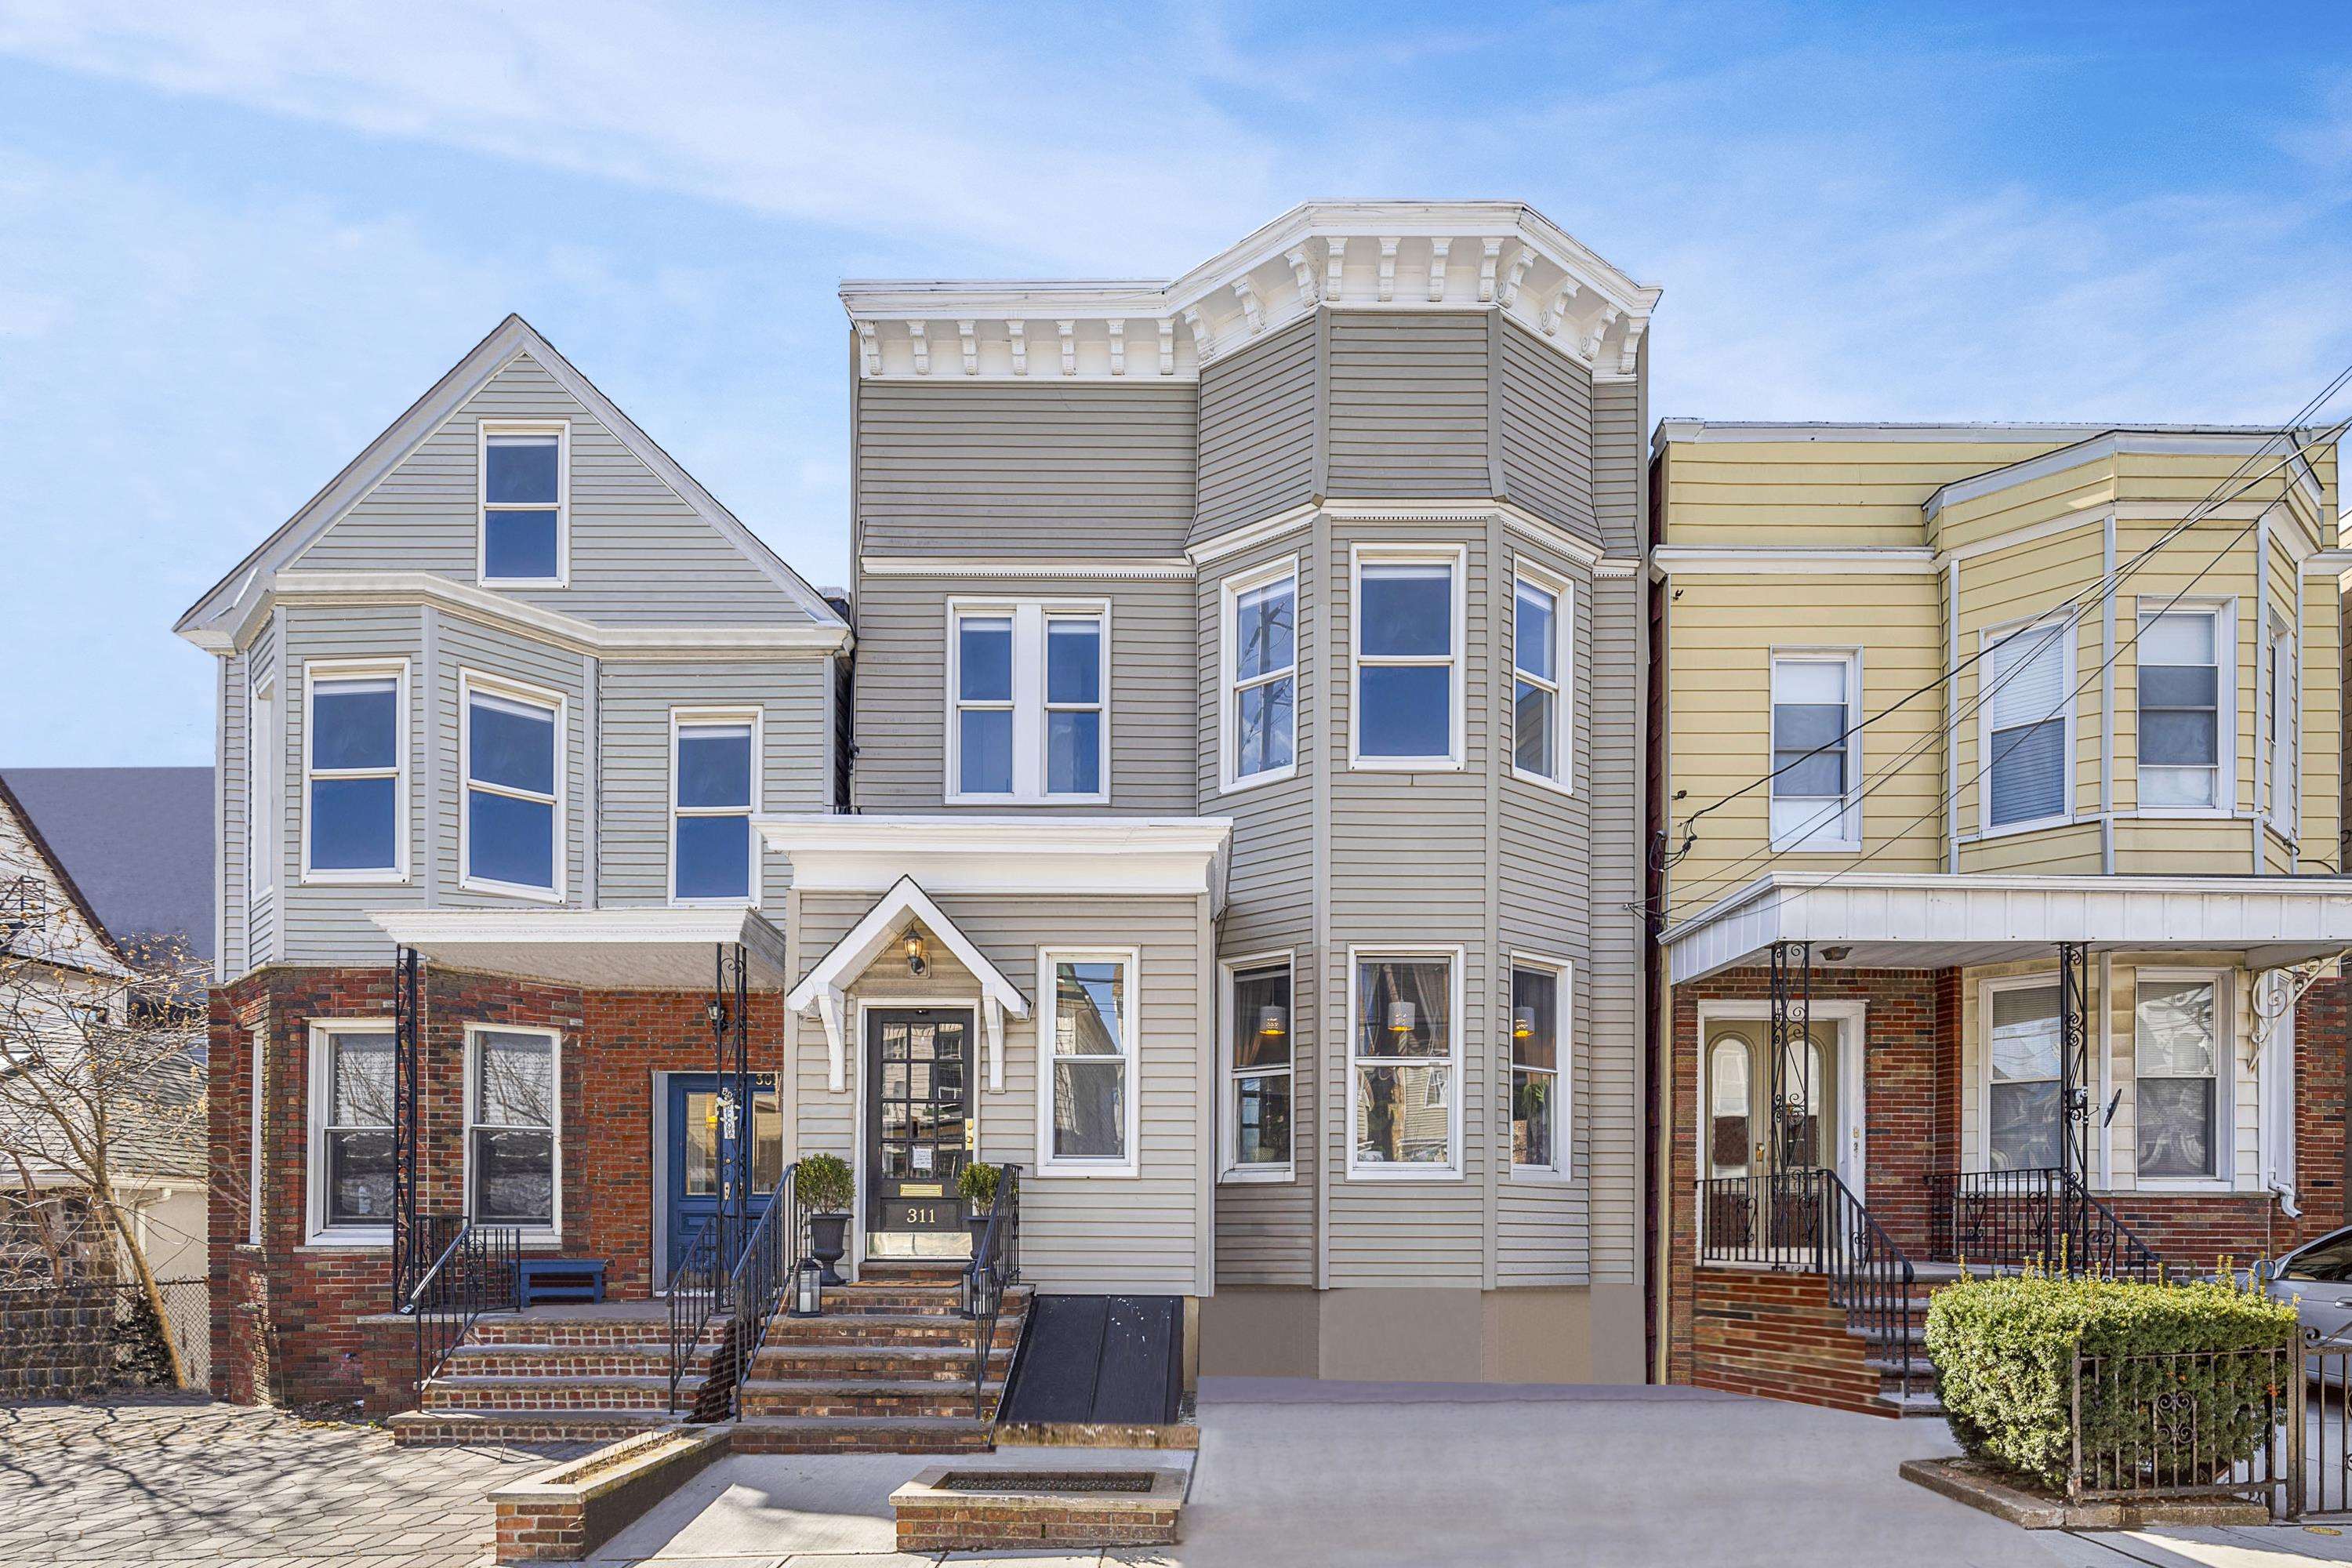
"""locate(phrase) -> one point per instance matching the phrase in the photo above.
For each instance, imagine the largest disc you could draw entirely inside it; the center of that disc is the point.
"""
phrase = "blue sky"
(236, 239)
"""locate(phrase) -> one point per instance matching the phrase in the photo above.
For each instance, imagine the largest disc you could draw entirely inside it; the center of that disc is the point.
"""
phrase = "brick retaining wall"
(57, 1343)
(1779, 1336)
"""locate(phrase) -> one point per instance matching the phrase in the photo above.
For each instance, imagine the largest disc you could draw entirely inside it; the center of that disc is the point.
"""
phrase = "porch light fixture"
(1271, 1022)
(917, 964)
(808, 1289)
(1403, 1016)
(1523, 1023)
(1836, 954)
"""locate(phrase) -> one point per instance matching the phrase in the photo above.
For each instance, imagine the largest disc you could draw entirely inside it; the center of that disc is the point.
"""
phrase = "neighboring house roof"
(27, 852)
(137, 842)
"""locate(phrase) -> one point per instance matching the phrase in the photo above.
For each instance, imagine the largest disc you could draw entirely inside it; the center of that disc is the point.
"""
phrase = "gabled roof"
(226, 602)
(137, 842)
(107, 957)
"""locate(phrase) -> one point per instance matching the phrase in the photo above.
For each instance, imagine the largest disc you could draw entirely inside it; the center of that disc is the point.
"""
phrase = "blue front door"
(693, 1176)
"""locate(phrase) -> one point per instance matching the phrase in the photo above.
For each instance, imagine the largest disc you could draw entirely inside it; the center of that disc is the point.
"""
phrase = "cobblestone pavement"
(187, 1481)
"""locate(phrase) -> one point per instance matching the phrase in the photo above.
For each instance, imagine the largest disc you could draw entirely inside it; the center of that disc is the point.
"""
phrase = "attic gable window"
(526, 498)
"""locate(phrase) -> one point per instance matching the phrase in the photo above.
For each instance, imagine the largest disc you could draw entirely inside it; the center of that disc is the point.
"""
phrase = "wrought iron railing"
(995, 1263)
(478, 1270)
(779, 1241)
(697, 1283)
(2189, 1424)
(2041, 1216)
(1807, 1220)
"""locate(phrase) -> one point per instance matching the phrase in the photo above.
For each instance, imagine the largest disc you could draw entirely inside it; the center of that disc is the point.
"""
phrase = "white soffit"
(1380, 256)
(1897, 920)
(1078, 855)
(595, 949)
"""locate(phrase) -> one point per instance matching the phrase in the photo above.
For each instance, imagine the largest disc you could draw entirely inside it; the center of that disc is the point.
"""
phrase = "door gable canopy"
(824, 991)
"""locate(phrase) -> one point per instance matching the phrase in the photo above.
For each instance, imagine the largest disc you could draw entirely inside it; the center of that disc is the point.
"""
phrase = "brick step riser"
(426, 1431)
(476, 1361)
(882, 1272)
(574, 1336)
(939, 1399)
(849, 1330)
(439, 1396)
(749, 1438)
(880, 1365)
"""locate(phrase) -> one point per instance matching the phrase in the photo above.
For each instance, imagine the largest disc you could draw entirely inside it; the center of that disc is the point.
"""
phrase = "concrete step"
(916, 1300)
(872, 1362)
(508, 1394)
(834, 1435)
(868, 1398)
(1919, 1404)
(912, 1270)
(456, 1428)
(887, 1328)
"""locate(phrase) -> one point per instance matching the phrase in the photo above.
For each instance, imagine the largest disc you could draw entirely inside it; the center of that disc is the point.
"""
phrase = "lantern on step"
(808, 1289)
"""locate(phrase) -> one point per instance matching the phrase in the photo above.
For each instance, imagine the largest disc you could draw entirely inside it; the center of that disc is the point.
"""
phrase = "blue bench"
(565, 1279)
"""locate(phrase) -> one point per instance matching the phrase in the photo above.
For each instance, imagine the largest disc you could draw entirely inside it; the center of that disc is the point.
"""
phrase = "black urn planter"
(828, 1239)
(978, 1222)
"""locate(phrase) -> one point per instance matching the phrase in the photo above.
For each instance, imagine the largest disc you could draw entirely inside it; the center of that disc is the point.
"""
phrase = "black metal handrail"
(777, 1243)
(1806, 1220)
(480, 1270)
(2097, 1241)
(697, 1285)
(2040, 1216)
(995, 1263)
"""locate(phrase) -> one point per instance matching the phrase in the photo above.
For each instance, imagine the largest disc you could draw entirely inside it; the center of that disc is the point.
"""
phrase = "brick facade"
(1778, 1335)
(286, 1319)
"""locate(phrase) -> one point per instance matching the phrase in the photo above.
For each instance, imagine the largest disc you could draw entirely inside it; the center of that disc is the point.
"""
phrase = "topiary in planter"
(976, 1184)
(824, 1184)
(2003, 1352)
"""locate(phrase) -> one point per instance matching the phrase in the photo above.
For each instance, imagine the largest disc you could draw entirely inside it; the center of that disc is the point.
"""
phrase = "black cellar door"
(917, 1115)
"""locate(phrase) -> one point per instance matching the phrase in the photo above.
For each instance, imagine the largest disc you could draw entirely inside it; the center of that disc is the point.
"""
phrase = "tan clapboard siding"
(1056, 468)
(1078, 1234)
(639, 553)
(2319, 662)
(1257, 431)
(2000, 591)
(1817, 492)
(1550, 444)
(1408, 404)
(900, 691)
(2081, 488)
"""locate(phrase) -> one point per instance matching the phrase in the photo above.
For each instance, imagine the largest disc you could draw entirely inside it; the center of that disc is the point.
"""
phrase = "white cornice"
(1746, 560)
(2114, 443)
(1401, 255)
(2327, 561)
(1250, 535)
(1519, 520)
(1147, 569)
(1046, 854)
(2057, 433)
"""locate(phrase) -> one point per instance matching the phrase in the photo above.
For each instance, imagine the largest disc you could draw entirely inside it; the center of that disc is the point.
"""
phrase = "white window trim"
(1562, 1168)
(316, 1231)
(561, 430)
(474, 1033)
(470, 682)
(1229, 1168)
(692, 718)
(1563, 686)
(1453, 556)
(313, 673)
(1451, 1170)
(1849, 837)
(2285, 760)
(2225, 1079)
(258, 1059)
(1228, 777)
(1987, 640)
(1029, 617)
(1986, 990)
(265, 804)
(2225, 716)
(1049, 999)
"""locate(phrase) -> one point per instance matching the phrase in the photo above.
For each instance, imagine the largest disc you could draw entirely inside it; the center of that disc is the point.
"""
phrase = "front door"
(1747, 1151)
(919, 1126)
(693, 1177)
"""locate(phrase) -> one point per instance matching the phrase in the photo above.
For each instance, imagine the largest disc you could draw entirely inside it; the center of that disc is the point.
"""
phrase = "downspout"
(2107, 705)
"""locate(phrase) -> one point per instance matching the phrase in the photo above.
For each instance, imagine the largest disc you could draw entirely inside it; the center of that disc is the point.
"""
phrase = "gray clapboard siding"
(1620, 410)
(1408, 414)
(1011, 470)
(901, 690)
(1078, 1234)
(634, 702)
(243, 925)
(1614, 1113)
(1257, 431)
(639, 553)
(467, 647)
(1546, 426)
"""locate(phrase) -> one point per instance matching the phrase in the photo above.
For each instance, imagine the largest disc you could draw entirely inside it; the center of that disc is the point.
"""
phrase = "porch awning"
(595, 950)
(1913, 921)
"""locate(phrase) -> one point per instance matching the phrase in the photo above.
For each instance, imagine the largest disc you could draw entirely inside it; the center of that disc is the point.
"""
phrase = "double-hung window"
(511, 1164)
(355, 773)
(1087, 1114)
(1029, 715)
(714, 790)
(2283, 722)
(514, 769)
(1258, 1067)
(1261, 632)
(1540, 1027)
(1408, 659)
(2026, 678)
(525, 499)
(2181, 711)
(1816, 751)
(1405, 1048)
(1540, 661)
(2021, 1110)
(2178, 1059)
(265, 811)
(351, 1131)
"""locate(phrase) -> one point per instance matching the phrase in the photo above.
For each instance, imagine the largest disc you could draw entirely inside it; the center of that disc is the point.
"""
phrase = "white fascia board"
(1752, 560)
(2182, 442)
(873, 934)
(1141, 568)
(589, 948)
(2326, 562)
(1095, 856)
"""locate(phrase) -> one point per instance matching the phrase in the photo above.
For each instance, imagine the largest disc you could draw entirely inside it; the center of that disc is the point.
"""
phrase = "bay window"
(1087, 1034)
(2022, 1110)
(1261, 662)
(1404, 1104)
(2178, 1059)
(2025, 733)
(511, 1160)
(714, 790)
(525, 495)
(2181, 711)
(350, 1131)
(1258, 1057)
(1408, 647)
(1816, 751)
(1028, 701)
(514, 824)
(1539, 1030)
(1540, 641)
(355, 773)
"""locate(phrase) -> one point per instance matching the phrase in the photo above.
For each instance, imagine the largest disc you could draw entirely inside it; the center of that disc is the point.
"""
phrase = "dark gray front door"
(917, 1115)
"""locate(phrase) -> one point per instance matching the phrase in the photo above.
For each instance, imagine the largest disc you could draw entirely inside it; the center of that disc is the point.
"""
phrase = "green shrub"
(824, 1184)
(976, 1182)
(2003, 1352)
